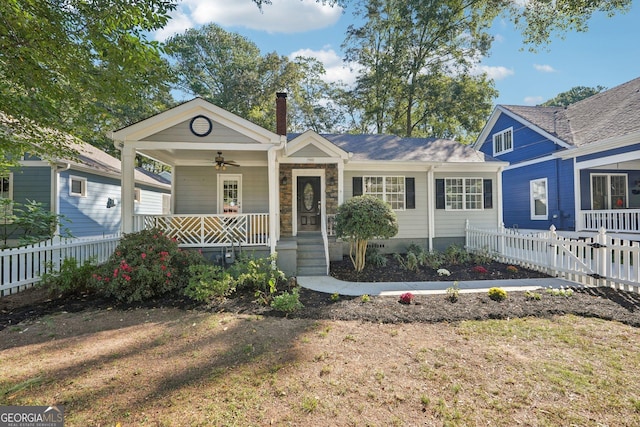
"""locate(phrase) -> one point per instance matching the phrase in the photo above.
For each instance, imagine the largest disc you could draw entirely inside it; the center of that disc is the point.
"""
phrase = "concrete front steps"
(311, 255)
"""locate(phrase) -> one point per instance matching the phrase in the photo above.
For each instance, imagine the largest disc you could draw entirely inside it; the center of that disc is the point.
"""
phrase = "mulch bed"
(604, 303)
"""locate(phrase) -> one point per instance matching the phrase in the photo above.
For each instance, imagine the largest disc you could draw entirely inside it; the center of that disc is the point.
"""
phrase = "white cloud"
(283, 16)
(533, 100)
(495, 73)
(544, 68)
(336, 69)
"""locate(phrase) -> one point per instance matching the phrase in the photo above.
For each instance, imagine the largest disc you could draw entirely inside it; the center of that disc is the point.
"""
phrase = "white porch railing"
(21, 267)
(615, 220)
(595, 261)
(200, 231)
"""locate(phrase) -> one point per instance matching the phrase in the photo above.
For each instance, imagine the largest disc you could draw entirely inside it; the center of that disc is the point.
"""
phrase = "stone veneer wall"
(286, 193)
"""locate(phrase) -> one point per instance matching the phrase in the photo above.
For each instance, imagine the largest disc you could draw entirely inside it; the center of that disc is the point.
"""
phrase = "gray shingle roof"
(395, 148)
(615, 112)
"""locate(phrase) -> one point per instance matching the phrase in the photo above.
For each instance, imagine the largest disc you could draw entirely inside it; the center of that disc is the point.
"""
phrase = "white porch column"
(274, 199)
(340, 164)
(431, 205)
(498, 198)
(577, 196)
(127, 185)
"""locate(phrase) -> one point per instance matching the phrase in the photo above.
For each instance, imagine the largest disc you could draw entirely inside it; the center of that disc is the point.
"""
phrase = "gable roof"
(395, 148)
(609, 114)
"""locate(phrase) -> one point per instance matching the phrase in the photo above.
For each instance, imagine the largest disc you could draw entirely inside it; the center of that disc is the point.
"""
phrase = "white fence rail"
(596, 261)
(616, 220)
(21, 267)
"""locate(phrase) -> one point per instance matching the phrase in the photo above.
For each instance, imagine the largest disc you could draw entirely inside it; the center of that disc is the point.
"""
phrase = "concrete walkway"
(330, 285)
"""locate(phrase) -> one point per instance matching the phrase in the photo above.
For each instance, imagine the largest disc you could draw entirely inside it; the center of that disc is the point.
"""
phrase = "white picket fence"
(22, 267)
(601, 260)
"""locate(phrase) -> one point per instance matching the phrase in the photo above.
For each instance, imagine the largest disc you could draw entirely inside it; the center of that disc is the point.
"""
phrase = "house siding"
(182, 132)
(32, 183)
(412, 223)
(451, 223)
(89, 216)
(150, 201)
(196, 189)
(560, 194)
(607, 153)
(527, 143)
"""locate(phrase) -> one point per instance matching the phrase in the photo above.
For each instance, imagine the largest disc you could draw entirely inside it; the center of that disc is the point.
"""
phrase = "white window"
(137, 195)
(539, 196)
(609, 191)
(463, 194)
(77, 186)
(503, 141)
(229, 193)
(6, 198)
(388, 188)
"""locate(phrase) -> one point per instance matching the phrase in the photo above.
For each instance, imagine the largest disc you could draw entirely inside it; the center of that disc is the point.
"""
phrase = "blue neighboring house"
(574, 167)
(85, 190)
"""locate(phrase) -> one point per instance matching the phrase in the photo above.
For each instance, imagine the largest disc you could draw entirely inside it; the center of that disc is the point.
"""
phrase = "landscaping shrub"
(375, 258)
(71, 279)
(497, 294)
(456, 255)
(256, 273)
(209, 282)
(145, 265)
(287, 302)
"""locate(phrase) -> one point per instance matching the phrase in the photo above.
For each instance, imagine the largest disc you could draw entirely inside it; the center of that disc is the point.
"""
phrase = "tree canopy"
(229, 70)
(75, 66)
(574, 94)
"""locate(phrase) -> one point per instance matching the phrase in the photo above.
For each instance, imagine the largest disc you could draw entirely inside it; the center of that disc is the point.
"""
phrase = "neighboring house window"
(609, 191)
(77, 186)
(503, 142)
(229, 193)
(463, 193)
(137, 195)
(539, 196)
(6, 194)
(391, 189)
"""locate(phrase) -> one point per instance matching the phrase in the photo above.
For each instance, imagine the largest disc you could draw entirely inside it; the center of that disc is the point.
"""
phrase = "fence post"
(603, 252)
(552, 250)
(501, 239)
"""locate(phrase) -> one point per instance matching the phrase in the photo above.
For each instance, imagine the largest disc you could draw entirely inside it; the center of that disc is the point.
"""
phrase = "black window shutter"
(357, 186)
(440, 201)
(410, 188)
(488, 193)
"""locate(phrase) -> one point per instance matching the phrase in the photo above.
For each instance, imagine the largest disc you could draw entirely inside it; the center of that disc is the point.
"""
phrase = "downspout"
(431, 204)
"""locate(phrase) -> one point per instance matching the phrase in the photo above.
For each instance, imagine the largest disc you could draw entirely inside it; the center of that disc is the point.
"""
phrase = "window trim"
(400, 178)
(221, 177)
(137, 195)
(501, 135)
(83, 181)
(608, 199)
(465, 207)
(532, 200)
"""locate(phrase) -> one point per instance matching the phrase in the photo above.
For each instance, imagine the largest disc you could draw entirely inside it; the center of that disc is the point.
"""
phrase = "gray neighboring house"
(86, 190)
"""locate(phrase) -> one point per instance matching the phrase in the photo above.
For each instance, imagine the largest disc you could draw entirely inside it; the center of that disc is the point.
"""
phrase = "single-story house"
(575, 167)
(237, 185)
(85, 190)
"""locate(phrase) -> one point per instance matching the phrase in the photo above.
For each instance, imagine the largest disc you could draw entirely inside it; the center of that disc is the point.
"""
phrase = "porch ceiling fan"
(221, 163)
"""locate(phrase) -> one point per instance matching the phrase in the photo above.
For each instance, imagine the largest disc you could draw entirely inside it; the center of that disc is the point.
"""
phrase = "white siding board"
(196, 189)
(309, 151)
(182, 133)
(412, 223)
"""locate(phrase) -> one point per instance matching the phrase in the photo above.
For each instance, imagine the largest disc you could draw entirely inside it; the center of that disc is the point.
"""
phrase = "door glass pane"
(599, 191)
(308, 196)
(230, 196)
(618, 190)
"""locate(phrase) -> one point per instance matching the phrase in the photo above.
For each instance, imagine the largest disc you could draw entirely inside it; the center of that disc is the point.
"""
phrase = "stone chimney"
(281, 113)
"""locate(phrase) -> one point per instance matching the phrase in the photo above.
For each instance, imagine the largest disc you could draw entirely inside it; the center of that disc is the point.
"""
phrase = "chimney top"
(281, 113)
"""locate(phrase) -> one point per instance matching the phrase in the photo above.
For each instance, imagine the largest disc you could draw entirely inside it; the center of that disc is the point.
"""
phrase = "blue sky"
(607, 55)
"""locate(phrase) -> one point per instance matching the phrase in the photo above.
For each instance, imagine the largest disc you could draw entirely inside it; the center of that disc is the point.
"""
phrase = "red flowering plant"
(406, 298)
(480, 269)
(145, 264)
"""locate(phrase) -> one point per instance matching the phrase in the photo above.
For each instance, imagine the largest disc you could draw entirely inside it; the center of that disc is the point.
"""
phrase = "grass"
(168, 367)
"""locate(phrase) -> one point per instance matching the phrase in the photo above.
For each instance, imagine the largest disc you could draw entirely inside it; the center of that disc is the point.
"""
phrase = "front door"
(309, 203)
